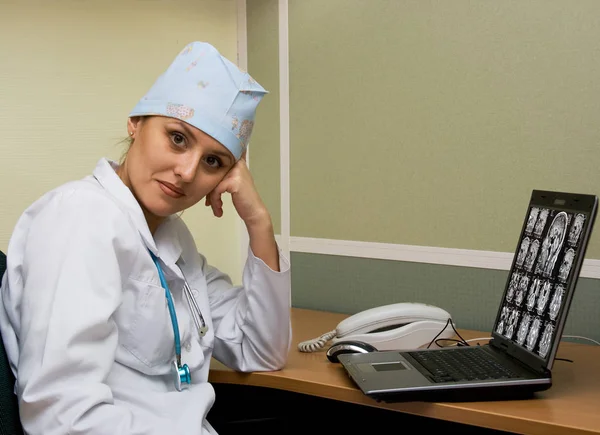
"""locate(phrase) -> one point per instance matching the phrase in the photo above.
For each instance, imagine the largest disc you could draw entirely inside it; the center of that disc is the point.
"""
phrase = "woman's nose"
(186, 168)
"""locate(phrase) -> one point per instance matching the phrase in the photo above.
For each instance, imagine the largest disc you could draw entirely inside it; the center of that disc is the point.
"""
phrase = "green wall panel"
(471, 295)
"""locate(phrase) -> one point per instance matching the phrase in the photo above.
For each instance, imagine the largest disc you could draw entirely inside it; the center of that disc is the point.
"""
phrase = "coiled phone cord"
(316, 343)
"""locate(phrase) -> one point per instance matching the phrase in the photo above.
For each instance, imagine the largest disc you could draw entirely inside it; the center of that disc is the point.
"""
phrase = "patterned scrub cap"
(204, 89)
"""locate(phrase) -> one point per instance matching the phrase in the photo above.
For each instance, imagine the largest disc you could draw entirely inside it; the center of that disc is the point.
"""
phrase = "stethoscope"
(181, 373)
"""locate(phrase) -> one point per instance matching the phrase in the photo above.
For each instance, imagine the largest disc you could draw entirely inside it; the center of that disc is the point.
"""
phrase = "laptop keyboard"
(463, 364)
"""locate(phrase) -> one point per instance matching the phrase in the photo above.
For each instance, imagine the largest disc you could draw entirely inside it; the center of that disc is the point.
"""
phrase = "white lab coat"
(86, 325)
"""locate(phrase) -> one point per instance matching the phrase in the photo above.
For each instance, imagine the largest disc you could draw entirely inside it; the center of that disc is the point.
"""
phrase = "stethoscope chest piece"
(181, 376)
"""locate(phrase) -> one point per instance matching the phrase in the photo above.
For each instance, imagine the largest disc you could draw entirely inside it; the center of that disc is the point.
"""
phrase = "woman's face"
(171, 165)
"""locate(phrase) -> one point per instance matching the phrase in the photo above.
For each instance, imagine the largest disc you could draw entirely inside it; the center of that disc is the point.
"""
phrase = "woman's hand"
(249, 206)
(247, 202)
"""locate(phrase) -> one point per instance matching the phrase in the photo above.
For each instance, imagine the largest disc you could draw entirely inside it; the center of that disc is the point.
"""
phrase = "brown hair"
(128, 141)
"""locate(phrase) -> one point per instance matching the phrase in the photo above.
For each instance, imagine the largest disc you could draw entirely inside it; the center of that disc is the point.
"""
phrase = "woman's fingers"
(214, 200)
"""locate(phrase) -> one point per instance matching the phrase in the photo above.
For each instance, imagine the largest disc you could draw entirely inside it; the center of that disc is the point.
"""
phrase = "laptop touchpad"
(382, 366)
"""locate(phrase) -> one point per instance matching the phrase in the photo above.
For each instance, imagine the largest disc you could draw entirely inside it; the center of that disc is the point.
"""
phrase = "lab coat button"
(188, 346)
(195, 293)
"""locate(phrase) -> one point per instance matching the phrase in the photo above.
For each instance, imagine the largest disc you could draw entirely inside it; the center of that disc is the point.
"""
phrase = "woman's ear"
(132, 125)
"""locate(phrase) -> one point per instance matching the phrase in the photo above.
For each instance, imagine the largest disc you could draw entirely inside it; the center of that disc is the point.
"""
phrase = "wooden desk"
(570, 406)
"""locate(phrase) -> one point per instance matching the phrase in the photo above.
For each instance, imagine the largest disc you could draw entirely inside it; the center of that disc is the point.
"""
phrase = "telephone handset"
(404, 325)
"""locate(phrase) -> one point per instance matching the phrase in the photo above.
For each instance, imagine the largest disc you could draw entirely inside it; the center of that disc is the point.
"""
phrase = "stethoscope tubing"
(194, 308)
(172, 312)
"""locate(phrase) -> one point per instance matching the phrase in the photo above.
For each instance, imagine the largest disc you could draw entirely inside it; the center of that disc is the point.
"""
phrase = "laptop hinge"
(512, 351)
(498, 345)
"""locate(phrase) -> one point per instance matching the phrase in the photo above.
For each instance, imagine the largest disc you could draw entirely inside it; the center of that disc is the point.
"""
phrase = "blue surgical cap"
(204, 89)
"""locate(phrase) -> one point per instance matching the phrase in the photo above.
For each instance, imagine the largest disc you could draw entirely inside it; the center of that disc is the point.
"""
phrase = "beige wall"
(263, 46)
(428, 123)
(69, 73)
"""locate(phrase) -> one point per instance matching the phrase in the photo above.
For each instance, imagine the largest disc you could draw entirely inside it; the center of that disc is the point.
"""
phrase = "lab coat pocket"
(148, 331)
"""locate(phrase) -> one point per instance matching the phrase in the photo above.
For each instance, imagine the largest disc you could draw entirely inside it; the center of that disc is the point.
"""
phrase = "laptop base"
(517, 392)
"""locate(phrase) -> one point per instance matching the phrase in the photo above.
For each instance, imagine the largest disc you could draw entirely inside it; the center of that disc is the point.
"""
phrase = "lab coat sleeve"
(77, 251)
(252, 321)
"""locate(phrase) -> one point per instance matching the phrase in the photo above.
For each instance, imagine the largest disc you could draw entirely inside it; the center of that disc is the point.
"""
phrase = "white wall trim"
(419, 254)
(284, 127)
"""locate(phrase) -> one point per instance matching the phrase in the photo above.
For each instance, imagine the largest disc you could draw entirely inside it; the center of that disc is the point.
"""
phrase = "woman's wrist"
(262, 241)
(259, 223)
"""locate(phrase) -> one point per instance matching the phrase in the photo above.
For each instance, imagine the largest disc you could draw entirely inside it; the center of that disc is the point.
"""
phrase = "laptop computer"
(517, 360)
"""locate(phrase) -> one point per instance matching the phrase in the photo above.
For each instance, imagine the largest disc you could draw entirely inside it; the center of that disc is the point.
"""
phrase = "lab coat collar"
(106, 175)
(166, 238)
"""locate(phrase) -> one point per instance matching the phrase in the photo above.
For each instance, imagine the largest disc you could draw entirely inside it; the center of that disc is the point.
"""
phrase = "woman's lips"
(171, 190)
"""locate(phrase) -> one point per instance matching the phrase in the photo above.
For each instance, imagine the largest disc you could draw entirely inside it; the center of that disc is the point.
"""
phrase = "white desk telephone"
(405, 325)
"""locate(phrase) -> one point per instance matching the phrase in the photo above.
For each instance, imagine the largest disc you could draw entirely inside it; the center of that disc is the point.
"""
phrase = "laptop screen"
(545, 269)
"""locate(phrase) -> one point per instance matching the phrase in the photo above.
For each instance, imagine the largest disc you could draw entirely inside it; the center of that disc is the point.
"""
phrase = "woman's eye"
(178, 139)
(213, 161)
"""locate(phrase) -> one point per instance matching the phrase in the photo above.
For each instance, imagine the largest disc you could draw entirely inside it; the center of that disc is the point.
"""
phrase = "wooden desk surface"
(570, 406)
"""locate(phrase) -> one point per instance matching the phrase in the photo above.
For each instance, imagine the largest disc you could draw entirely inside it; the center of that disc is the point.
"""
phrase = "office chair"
(10, 423)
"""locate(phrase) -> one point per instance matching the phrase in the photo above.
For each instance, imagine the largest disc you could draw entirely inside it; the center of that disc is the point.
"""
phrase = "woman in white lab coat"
(109, 315)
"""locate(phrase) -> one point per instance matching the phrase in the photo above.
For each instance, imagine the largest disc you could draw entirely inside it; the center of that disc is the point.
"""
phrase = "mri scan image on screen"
(539, 279)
